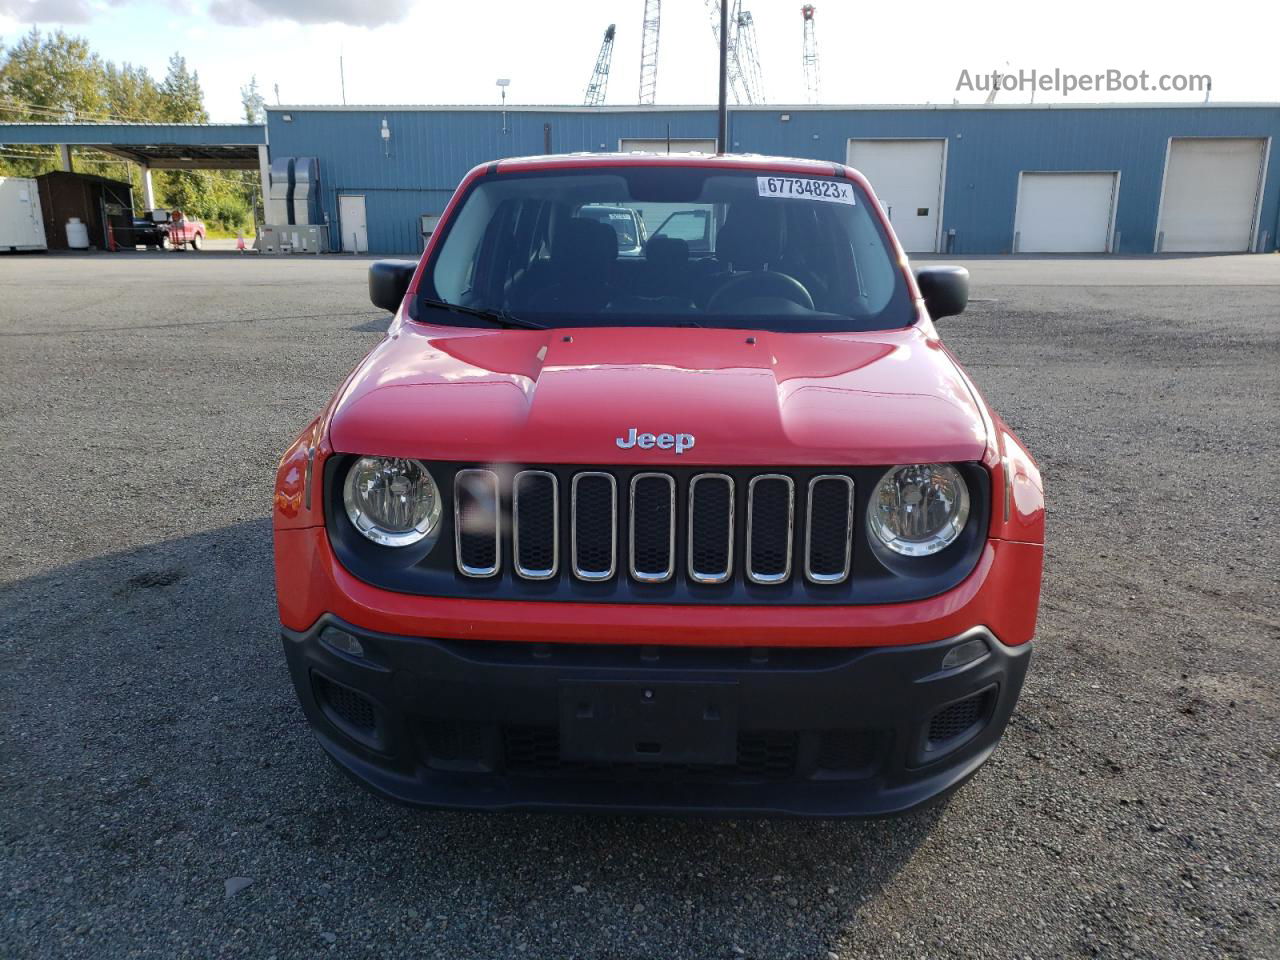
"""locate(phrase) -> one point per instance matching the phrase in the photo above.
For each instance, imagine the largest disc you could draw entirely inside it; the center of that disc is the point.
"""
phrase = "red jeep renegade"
(718, 527)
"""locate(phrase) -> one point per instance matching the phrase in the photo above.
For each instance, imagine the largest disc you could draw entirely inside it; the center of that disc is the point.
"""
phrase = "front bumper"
(866, 731)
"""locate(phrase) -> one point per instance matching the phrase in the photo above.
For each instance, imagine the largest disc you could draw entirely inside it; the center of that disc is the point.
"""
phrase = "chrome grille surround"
(526, 572)
(784, 575)
(710, 576)
(578, 570)
(653, 576)
(462, 482)
(810, 574)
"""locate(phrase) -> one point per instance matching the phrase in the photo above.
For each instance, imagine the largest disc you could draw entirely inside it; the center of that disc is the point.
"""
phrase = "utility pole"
(722, 140)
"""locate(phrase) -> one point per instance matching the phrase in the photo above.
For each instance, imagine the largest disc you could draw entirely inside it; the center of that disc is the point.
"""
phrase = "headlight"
(391, 501)
(919, 509)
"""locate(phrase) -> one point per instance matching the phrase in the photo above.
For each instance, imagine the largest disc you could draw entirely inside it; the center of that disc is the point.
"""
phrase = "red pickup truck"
(183, 231)
(168, 230)
(721, 527)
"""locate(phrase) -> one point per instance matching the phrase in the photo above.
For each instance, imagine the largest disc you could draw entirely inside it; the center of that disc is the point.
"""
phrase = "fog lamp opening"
(963, 653)
(342, 641)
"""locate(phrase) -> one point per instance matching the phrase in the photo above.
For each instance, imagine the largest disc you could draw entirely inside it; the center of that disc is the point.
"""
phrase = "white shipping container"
(21, 222)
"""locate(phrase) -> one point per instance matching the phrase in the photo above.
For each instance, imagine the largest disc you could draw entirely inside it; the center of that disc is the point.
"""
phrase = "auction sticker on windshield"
(800, 188)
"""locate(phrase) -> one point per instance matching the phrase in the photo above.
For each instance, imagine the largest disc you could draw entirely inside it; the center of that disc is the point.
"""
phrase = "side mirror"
(388, 282)
(945, 290)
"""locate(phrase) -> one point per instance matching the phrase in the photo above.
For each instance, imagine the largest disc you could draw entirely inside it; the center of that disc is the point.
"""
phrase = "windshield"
(671, 246)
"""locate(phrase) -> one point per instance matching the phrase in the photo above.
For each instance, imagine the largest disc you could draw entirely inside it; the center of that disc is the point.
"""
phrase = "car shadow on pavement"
(154, 750)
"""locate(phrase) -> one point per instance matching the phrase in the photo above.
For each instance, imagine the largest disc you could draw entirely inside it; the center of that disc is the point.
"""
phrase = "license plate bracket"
(638, 722)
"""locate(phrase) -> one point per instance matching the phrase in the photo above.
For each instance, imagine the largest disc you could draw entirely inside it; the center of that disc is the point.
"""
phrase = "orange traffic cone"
(111, 238)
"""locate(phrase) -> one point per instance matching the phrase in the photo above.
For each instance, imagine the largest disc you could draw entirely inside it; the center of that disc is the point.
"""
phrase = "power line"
(77, 115)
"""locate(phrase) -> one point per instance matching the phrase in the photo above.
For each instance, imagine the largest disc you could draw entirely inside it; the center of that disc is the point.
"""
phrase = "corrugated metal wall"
(416, 170)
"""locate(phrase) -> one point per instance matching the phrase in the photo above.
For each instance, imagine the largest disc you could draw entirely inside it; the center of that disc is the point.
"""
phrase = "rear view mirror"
(389, 281)
(945, 290)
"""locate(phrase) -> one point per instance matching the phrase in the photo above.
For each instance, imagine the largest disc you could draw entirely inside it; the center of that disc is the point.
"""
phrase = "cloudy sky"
(430, 51)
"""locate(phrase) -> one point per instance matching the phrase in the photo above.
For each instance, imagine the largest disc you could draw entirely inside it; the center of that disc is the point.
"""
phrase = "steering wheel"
(761, 283)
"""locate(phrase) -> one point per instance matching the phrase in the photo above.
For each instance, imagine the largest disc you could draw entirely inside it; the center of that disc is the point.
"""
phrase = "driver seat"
(751, 241)
(753, 236)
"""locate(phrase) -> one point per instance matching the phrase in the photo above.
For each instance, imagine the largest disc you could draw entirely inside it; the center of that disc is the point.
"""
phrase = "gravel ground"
(152, 756)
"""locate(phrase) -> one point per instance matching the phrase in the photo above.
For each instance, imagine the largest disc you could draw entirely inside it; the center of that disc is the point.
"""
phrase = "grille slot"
(829, 529)
(535, 524)
(653, 527)
(477, 523)
(352, 708)
(710, 528)
(847, 751)
(594, 526)
(770, 527)
(959, 719)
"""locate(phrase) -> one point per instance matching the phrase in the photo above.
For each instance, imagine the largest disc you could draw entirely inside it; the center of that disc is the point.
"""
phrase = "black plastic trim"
(889, 693)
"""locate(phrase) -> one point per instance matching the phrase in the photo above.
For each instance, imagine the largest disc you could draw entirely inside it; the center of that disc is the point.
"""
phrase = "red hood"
(564, 396)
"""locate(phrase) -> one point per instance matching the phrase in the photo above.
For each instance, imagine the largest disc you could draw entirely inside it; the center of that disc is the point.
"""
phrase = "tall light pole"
(503, 83)
(722, 141)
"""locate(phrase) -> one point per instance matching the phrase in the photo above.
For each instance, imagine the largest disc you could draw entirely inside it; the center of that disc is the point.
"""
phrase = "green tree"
(131, 93)
(255, 105)
(47, 79)
(182, 98)
(56, 77)
(52, 78)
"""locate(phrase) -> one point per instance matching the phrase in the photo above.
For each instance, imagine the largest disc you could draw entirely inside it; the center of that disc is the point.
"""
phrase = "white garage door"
(1065, 212)
(660, 146)
(1211, 193)
(907, 176)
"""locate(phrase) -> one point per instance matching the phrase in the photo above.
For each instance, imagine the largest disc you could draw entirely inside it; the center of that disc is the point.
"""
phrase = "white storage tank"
(77, 234)
(21, 222)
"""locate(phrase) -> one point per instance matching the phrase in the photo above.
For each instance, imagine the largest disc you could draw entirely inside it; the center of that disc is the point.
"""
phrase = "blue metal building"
(1160, 176)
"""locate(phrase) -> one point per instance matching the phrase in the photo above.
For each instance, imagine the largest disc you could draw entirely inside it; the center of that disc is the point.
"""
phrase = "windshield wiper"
(500, 317)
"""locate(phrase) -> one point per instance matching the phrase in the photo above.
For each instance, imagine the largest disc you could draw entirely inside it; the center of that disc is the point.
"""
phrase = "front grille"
(762, 755)
(352, 708)
(654, 526)
(959, 718)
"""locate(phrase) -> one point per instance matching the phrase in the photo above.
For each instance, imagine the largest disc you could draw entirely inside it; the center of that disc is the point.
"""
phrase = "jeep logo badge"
(680, 442)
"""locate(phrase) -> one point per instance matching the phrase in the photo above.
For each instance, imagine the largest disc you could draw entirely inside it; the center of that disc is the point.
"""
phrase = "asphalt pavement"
(161, 796)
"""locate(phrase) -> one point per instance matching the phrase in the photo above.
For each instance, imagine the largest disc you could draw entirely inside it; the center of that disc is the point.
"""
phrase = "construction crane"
(649, 50)
(748, 58)
(996, 78)
(599, 82)
(995, 88)
(809, 56)
(745, 79)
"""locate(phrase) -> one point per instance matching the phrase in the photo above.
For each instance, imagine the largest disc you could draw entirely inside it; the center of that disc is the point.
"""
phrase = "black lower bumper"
(818, 732)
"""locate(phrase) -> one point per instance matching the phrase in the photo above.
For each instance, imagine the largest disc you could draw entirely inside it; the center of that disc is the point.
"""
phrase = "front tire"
(197, 242)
